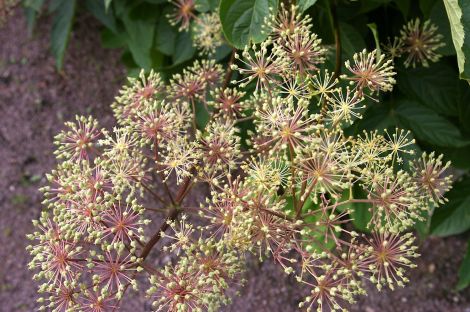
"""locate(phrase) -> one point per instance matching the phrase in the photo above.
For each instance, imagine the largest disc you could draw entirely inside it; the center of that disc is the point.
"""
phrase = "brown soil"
(35, 101)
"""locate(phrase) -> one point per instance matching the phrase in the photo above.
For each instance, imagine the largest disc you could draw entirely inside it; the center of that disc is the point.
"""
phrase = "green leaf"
(316, 241)
(222, 52)
(202, 117)
(377, 116)
(404, 7)
(113, 40)
(369, 5)
(242, 20)
(165, 37)
(35, 5)
(184, 49)
(458, 156)
(31, 18)
(464, 106)
(453, 217)
(101, 13)
(464, 271)
(373, 29)
(426, 7)
(360, 213)
(304, 5)
(140, 34)
(423, 226)
(54, 5)
(458, 12)
(436, 87)
(351, 40)
(107, 3)
(428, 126)
(61, 27)
(438, 17)
(206, 5)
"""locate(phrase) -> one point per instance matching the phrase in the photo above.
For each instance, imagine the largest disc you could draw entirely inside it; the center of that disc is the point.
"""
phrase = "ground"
(35, 100)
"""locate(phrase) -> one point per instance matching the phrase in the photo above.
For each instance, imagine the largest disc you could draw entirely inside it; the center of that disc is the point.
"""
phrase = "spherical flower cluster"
(286, 188)
(418, 43)
(206, 28)
(208, 33)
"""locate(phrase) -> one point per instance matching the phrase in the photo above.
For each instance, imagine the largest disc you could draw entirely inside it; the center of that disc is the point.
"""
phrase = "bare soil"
(35, 100)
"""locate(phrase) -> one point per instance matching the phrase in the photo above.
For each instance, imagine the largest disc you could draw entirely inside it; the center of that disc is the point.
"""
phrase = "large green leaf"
(439, 18)
(369, 5)
(464, 271)
(165, 36)
(458, 12)
(435, 87)
(426, 7)
(454, 217)
(458, 156)
(107, 3)
(36, 5)
(112, 40)
(351, 40)
(61, 27)
(184, 49)
(360, 213)
(305, 4)
(102, 13)
(375, 33)
(32, 9)
(140, 34)
(206, 5)
(428, 126)
(404, 7)
(377, 116)
(464, 106)
(316, 241)
(242, 20)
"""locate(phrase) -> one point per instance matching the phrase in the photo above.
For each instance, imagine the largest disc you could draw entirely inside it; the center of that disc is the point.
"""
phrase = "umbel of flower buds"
(285, 189)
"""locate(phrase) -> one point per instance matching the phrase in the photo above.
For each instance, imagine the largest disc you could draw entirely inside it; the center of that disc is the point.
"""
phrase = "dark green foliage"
(242, 20)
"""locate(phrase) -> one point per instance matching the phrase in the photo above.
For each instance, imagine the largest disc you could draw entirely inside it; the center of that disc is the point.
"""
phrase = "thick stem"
(305, 196)
(278, 214)
(160, 174)
(174, 212)
(158, 234)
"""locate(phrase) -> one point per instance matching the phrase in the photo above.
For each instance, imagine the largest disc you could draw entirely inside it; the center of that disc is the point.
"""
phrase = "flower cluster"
(287, 188)
(418, 43)
(206, 27)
